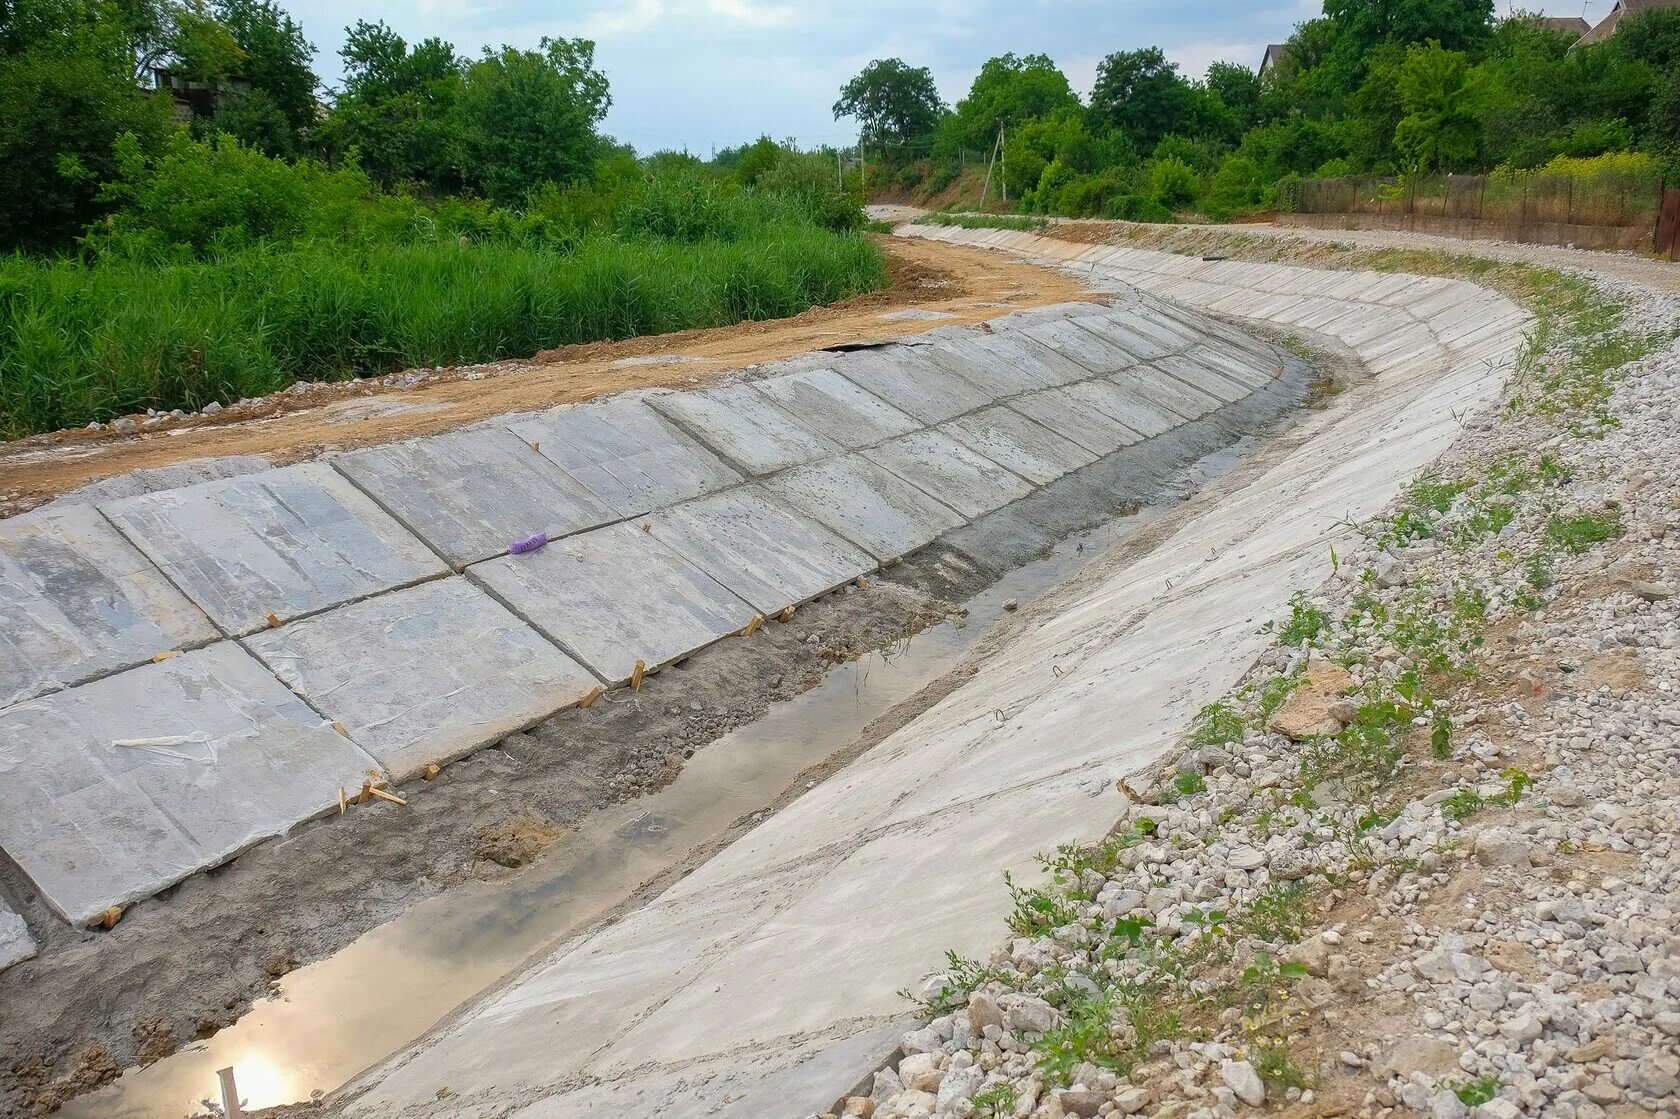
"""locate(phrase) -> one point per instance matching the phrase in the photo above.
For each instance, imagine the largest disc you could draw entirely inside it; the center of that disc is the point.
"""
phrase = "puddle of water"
(336, 1017)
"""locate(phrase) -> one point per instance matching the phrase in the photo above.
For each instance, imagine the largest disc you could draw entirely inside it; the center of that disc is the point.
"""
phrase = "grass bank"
(84, 342)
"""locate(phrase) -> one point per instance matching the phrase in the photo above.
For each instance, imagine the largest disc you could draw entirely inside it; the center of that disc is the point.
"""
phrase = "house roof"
(1573, 25)
(1274, 55)
(1607, 26)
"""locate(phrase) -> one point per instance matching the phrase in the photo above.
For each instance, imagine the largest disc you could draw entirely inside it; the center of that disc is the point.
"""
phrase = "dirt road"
(964, 285)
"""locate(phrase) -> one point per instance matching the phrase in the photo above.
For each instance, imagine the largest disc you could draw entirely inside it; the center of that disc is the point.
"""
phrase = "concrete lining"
(615, 596)
(471, 493)
(745, 427)
(286, 542)
(629, 456)
(115, 789)
(78, 601)
(895, 859)
(423, 675)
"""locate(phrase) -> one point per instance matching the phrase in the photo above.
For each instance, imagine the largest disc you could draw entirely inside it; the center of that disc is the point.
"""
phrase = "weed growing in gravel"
(1465, 802)
(1477, 1092)
(1579, 533)
(996, 1101)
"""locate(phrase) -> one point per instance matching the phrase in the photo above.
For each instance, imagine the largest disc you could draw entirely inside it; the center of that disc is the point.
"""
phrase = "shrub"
(1173, 183)
(1137, 207)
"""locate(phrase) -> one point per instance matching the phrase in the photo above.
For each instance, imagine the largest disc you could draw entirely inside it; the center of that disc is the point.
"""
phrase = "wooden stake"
(339, 727)
(343, 801)
(752, 626)
(636, 677)
(431, 772)
(595, 693)
(110, 917)
(862, 583)
(272, 619)
(230, 1094)
(168, 654)
(383, 795)
(786, 615)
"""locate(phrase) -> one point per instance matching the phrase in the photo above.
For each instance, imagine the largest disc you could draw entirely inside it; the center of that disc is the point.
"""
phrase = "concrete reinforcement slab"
(287, 542)
(113, 790)
(1070, 412)
(911, 381)
(424, 675)
(626, 454)
(944, 469)
(866, 504)
(16, 945)
(77, 601)
(745, 427)
(1010, 439)
(471, 493)
(824, 401)
(614, 596)
(759, 548)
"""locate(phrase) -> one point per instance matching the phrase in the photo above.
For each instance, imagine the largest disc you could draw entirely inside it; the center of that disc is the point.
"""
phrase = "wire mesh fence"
(1517, 199)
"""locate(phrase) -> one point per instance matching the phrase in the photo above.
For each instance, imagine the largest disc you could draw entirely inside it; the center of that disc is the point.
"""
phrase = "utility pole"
(1003, 176)
(839, 172)
(987, 186)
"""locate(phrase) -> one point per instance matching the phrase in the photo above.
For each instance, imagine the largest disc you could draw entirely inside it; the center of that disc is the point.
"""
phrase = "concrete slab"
(759, 548)
(423, 675)
(16, 945)
(1202, 377)
(626, 454)
(944, 469)
(1070, 412)
(912, 382)
(873, 508)
(78, 601)
(744, 427)
(1010, 439)
(1001, 371)
(1068, 338)
(824, 401)
(1030, 360)
(471, 493)
(114, 790)
(615, 596)
(288, 542)
(1146, 396)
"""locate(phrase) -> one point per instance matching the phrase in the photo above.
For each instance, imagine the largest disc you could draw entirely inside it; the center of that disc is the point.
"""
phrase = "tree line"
(1371, 87)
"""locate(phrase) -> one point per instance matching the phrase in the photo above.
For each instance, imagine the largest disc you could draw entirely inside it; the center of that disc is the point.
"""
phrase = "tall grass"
(81, 342)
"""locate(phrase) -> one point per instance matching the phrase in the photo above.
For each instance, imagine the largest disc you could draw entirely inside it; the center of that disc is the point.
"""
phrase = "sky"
(697, 75)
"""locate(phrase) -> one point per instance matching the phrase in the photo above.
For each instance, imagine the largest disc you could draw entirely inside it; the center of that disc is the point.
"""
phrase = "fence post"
(1570, 215)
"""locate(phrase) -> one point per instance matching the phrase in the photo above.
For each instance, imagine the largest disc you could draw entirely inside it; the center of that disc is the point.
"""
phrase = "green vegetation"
(442, 209)
(1404, 88)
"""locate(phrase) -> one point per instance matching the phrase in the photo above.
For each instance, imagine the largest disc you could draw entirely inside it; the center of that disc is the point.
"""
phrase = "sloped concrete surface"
(375, 590)
(786, 950)
(469, 494)
(626, 454)
(77, 601)
(423, 675)
(763, 552)
(116, 789)
(616, 596)
(284, 542)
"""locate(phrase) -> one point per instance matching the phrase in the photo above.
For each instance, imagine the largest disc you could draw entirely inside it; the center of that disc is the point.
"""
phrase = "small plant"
(1279, 914)
(1478, 1091)
(1084, 1035)
(1579, 533)
(995, 1101)
(1276, 1067)
(1440, 734)
(1306, 621)
(1189, 784)
(1216, 725)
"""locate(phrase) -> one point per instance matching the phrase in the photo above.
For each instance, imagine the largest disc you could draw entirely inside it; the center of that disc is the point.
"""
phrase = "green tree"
(1011, 90)
(530, 117)
(757, 158)
(895, 105)
(396, 109)
(277, 63)
(1238, 90)
(1141, 94)
(68, 85)
(1441, 96)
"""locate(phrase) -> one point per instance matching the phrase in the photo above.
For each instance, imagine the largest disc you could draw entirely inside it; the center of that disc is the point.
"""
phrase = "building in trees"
(1621, 10)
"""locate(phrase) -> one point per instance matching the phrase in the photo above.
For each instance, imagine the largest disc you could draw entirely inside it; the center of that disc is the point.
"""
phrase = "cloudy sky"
(696, 74)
